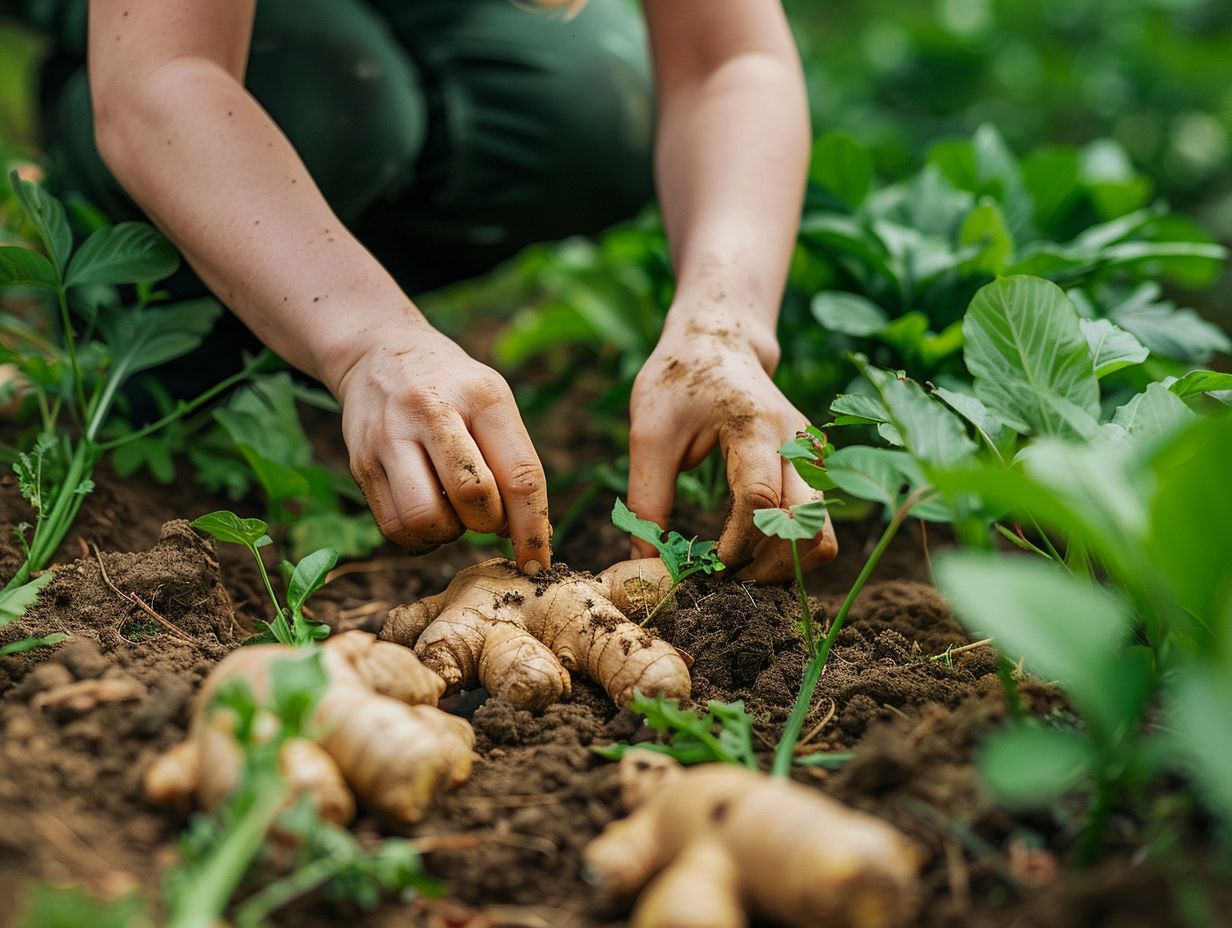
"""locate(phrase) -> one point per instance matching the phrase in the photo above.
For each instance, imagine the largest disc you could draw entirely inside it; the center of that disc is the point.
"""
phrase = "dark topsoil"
(508, 843)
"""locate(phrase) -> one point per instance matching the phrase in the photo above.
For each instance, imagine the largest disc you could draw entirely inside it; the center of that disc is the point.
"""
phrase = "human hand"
(707, 383)
(437, 444)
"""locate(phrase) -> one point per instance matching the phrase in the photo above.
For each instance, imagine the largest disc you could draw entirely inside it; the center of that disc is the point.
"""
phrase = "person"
(300, 154)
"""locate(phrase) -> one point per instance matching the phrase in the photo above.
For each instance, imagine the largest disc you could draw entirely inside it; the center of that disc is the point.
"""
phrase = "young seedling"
(723, 735)
(305, 578)
(794, 525)
(683, 557)
(74, 380)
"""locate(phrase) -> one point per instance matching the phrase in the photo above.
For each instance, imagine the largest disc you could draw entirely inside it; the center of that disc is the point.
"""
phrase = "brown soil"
(508, 842)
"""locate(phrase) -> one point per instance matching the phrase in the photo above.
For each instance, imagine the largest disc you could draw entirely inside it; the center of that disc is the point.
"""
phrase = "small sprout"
(799, 523)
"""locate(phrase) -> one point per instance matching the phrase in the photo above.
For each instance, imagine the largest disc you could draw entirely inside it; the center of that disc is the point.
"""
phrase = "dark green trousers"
(454, 131)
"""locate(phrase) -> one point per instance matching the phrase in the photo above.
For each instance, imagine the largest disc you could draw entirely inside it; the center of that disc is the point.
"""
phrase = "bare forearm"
(731, 161)
(215, 173)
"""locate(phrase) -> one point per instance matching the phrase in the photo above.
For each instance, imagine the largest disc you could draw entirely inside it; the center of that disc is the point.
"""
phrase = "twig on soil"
(361, 612)
(539, 845)
(928, 558)
(134, 599)
(897, 711)
(951, 651)
(958, 875)
(376, 565)
(816, 729)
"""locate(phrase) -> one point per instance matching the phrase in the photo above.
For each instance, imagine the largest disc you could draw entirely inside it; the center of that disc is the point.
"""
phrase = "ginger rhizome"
(721, 845)
(376, 733)
(520, 637)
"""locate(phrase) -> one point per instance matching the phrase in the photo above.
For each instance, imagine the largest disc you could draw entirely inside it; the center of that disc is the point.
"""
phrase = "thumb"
(653, 466)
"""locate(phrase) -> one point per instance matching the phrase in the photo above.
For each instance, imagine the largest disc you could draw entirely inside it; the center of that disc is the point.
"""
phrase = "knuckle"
(757, 494)
(525, 478)
(365, 470)
(491, 389)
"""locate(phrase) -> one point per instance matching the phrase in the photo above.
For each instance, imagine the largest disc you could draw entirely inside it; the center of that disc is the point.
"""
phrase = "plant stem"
(655, 611)
(1005, 671)
(791, 733)
(59, 519)
(1093, 837)
(217, 879)
(280, 621)
(71, 346)
(182, 410)
(806, 614)
(260, 905)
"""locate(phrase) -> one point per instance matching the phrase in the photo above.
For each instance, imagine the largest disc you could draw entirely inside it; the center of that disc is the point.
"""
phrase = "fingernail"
(532, 567)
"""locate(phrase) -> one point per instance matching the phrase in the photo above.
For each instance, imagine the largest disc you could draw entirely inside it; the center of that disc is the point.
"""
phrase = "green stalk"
(51, 530)
(71, 346)
(806, 614)
(280, 620)
(260, 905)
(812, 673)
(213, 884)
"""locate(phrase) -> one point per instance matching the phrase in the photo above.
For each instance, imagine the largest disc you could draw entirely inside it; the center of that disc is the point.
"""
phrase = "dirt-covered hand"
(377, 734)
(709, 385)
(438, 446)
(720, 845)
(520, 637)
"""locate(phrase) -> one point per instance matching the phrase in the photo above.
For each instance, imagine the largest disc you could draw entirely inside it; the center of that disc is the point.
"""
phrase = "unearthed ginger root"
(521, 636)
(379, 734)
(720, 845)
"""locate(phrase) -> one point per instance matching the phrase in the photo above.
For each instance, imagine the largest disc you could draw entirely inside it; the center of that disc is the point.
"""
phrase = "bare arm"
(174, 123)
(731, 159)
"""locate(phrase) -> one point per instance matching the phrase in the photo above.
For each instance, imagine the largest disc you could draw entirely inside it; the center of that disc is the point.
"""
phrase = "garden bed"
(508, 843)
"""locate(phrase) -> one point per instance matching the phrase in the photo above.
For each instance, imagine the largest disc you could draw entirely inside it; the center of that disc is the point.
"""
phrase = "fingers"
(755, 475)
(772, 560)
(464, 474)
(654, 462)
(406, 498)
(523, 489)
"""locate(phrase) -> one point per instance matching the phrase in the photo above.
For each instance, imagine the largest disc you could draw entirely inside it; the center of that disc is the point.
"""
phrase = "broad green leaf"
(1111, 347)
(128, 253)
(355, 536)
(1029, 766)
(29, 644)
(1174, 333)
(1199, 706)
(1065, 628)
(798, 523)
(309, 576)
(1154, 413)
(140, 339)
(985, 229)
(1031, 364)
(843, 166)
(47, 215)
(993, 432)
(1196, 382)
(930, 431)
(264, 417)
(882, 476)
(227, 526)
(533, 331)
(848, 313)
(21, 267)
(1191, 523)
(14, 602)
(1051, 178)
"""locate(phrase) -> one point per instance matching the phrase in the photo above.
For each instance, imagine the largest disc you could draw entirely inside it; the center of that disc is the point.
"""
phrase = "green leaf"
(848, 313)
(227, 526)
(1030, 362)
(625, 520)
(1111, 347)
(882, 476)
(1199, 706)
(72, 907)
(29, 644)
(929, 430)
(128, 253)
(1051, 178)
(21, 267)
(1154, 413)
(843, 166)
(144, 338)
(1030, 766)
(297, 686)
(1196, 382)
(694, 740)
(1174, 333)
(47, 215)
(799, 523)
(354, 536)
(309, 576)
(985, 229)
(991, 429)
(1066, 629)
(15, 601)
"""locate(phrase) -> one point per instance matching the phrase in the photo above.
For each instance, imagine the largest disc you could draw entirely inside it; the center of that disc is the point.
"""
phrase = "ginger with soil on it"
(520, 636)
(377, 733)
(722, 845)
